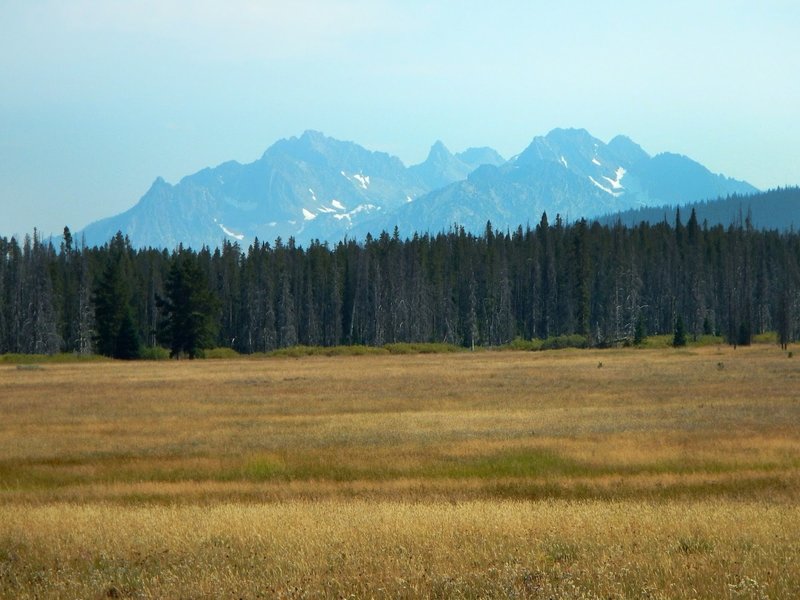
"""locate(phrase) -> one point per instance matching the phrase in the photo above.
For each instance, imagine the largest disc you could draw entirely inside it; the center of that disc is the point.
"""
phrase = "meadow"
(624, 473)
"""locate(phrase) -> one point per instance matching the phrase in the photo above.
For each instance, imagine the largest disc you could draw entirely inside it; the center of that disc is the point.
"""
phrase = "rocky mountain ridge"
(314, 187)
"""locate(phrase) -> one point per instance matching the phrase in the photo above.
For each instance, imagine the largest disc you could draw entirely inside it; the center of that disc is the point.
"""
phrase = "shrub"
(565, 341)
(357, 350)
(154, 353)
(551, 343)
(219, 353)
(529, 345)
(300, 351)
(708, 340)
(420, 348)
(768, 337)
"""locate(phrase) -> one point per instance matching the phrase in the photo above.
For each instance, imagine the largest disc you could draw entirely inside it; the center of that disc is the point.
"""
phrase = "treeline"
(774, 209)
(608, 284)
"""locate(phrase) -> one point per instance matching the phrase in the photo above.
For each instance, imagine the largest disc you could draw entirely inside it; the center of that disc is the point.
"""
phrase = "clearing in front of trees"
(573, 473)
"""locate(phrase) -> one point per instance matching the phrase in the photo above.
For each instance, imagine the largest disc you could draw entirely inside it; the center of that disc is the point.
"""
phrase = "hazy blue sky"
(100, 97)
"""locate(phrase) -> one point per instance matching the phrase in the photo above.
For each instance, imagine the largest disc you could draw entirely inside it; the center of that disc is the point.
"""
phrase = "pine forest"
(586, 283)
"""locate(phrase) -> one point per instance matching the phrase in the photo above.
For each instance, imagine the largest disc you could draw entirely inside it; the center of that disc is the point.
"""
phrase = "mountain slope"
(568, 172)
(306, 187)
(315, 187)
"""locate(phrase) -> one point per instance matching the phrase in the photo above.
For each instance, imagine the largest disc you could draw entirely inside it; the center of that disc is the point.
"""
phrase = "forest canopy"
(607, 283)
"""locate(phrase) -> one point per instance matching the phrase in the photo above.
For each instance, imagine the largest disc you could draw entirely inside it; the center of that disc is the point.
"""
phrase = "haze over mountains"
(316, 187)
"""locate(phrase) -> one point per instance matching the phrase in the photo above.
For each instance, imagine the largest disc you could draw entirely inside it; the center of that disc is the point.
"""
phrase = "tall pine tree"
(189, 310)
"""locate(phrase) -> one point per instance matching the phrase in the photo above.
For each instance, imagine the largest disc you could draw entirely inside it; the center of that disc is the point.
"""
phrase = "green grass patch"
(665, 341)
(706, 340)
(64, 357)
(421, 348)
(263, 469)
(154, 353)
(658, 341)
(34, 476)
(768, 337)
(220, 353)
(525, 345)
(557, 342)
(516, 464)
(360, 350)
(301, 351)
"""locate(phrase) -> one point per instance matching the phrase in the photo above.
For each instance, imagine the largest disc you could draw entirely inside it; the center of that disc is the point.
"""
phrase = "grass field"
(576, 473)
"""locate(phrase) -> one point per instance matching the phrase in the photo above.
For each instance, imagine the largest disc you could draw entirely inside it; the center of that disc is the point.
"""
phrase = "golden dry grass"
(402, 550)
(621, 473)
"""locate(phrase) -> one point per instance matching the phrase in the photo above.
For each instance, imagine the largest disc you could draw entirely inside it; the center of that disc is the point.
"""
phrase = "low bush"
(64, 357)
(300, 351)
(565, 341)
(525, 345)
(154, 353)
(768, 337)
(220, 353)
(421, 348)
(707, 340)
(552, 343)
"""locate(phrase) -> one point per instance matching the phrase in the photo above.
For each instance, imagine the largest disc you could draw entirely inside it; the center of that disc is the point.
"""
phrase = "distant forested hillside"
(604, 283)
(776, 209)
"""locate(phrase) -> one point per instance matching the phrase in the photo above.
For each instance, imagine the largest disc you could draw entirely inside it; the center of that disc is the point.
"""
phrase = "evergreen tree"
(744, 336)
(679, 339)
(39, 327)
(707, 330)
(189, 310)
(639, 333)
(127, 344)
(610, 283)
(110, 307)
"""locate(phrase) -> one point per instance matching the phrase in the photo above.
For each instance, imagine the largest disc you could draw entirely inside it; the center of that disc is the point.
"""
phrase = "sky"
(98, 98)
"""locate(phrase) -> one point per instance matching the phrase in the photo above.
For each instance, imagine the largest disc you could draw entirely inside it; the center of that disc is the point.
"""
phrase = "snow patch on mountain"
(233, 234)
(604, 188)
(616, 183)
(273, 195)
(363, 180)
(358, 209)
(358, 179)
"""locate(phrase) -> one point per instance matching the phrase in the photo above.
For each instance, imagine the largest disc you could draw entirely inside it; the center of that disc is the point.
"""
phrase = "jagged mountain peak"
(567, 172)
(483, 155)
(317, 187)
(312, 135)
(440, 168)
(627, 149)
(565, 146)
(310, 141)
(570, 135)
(439, 152)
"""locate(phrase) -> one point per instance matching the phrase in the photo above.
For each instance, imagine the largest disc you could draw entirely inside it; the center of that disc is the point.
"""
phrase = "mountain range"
(316, 187)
